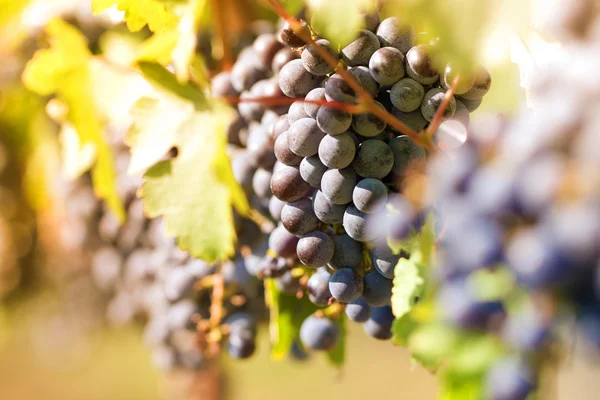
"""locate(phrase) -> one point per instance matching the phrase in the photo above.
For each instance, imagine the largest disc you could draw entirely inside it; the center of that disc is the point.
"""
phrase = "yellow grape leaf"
(11, 8)
(339, 20)
(64, 70)
(407, 286)
(159, 47)
(139, 13)
(188, 37)
(194, 192)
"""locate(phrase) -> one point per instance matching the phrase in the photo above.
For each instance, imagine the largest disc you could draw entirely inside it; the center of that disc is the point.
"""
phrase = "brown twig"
(439, 114)
(365, 99)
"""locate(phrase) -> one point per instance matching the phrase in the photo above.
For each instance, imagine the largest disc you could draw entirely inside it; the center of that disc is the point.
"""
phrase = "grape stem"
(439, 114)
(366, 101)
(278, 101)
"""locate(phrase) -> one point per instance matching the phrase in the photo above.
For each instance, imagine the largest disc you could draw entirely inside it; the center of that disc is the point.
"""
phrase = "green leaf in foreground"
(139, 13)
(407, 286)
(337, 356)
(286, 316)
(161, 78)
(339, 20)
(194, 192)
(64, 70)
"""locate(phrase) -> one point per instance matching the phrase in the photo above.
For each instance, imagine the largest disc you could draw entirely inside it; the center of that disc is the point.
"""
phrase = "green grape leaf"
(139, 13)
(195, 191)
(64, 70)
(427, 240)
(473, 356)
(337, 356)
(159, 47)
(402, 328)
(162, 79)
(287, 313)
(187, 28)
(339, 20)
(431, 344)
(408, 284)
(460, 389)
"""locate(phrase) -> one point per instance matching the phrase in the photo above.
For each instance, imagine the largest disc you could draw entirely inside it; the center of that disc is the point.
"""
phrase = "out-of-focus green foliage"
(11, 8)
(64, 70)
(339, 20)
(140, 13)
(407, 285)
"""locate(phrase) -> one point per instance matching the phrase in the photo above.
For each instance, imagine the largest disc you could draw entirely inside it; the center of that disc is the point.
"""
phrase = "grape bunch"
(336, 171)
(522, 196)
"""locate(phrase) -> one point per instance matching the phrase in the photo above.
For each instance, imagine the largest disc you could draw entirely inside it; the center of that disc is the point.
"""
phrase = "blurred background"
(58, 336)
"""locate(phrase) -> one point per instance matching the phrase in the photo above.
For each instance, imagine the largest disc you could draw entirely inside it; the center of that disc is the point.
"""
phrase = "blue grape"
(387, 66)
(374, 159)
(315, 249)
(317, 288)
(379, 324)
(333, 121)
(345, 285)
(369, 195)
(312, 170)
(407, 95)
(304, 137)
(298, 217)
(319, 333)
(509, 379)
(361, 49)
(338, 184)
(313, 62)
(377, 290)
(355, 224)
(327, 211)
(358, 310)
(296, 81)
(338, 151)
(393, 32)
(347, 252)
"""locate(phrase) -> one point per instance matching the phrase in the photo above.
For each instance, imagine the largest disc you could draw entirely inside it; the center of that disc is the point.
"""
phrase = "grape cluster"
(524, 195)
(335, 171)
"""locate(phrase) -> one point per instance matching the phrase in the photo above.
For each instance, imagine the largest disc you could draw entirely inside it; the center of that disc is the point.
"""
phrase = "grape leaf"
(286, 316)
(431, 344)
(473, 356)
(195, 191)
(463, 389)
(337, 356)
(139, 13)
(407, 285)
(339, 20)
(64, 70)
(427, 240)
(161, 78)
(186, 45)
(402, 328)
(11, 8)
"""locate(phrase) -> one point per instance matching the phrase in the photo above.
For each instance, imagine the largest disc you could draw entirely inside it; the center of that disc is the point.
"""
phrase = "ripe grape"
(379, 324)
(298, 217)
(296, 81)
(313, 62)
(465, 83)
(345, 285)
(333, 121)
(338, 185)
(337, 151)
(265, 47)
(413, 120)
(287, 184)
(377, 290)
(355, 224)
(338, 89)
(327, 211)
(244, 74)
(481, 85)
(261, 183)
(312, 170)
(282, 57)
(315, 249)
(432, 101)
(347, 252)
(319, 333)
(283, 152)
(358, 310)
(317, 94)
(372, 20)
(406, 153)
(304, 137)
(385, 260)
(364, 77)
(407, 95)
(374, 159)
(392, 32)
(367, 124)
(369, 195)
(420, 64)
(318, 288)
(296, 112)
(221, 85)
(387, 66)
(509, 379)
(361, 49)
(289, 36)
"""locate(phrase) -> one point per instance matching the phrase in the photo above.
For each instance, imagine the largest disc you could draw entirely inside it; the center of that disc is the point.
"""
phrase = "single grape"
(304, 137)
(244, 74)
(413, 120)
(374, 159)
(528, 330)
(259, 147)
(319, 333)
(241, 321)
(281, 125)
(407, 95)
(315, 249)
(379, 324)
(345, 285)
(327, 211)
(355, 224)
(317, 94)
(481, 85)
(465, 83)
(243, 169)
(387, 66)
(358, 310)
(313, 62)
(296, 81)
(420, 64)
(367, 124)
(460, 307)
(369, 195)
(288, 283)
(251, 111)
(317, 288)
(296, 112)
(509, 379)
(432, 101)
(361, 49)
(221, 85)
(471, 105)
(364, 77)
(338, 89)
(261, 183)
(287, 184)
(333, 121)
(385, 260)
(281, 58)
(377, 290)
(283, 153)
(406, 154)
(241, 345)
(298, 217)
(312, 170)
(338, 184)
(347, 252)
(372, 20)
(266, 46)
(392, 32)
(290, 37)
(337, 151)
